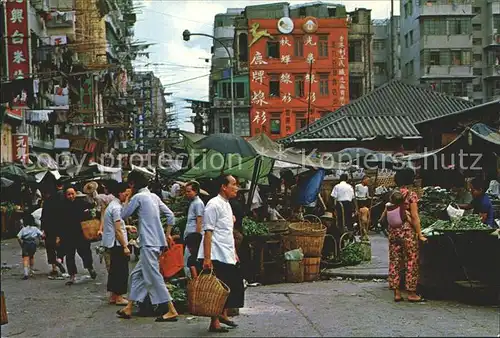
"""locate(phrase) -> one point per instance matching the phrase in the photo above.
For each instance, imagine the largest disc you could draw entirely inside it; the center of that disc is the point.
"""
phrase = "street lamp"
(186, 35)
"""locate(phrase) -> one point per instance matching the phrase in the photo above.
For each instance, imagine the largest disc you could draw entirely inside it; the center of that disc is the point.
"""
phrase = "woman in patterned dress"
(404, 242)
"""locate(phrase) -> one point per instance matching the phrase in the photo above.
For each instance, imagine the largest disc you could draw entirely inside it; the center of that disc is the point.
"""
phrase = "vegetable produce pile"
(180, 206)
(178, 294)
(435, 201)
(464, 223)
(252, 228)
(426, 220)
(352, 254)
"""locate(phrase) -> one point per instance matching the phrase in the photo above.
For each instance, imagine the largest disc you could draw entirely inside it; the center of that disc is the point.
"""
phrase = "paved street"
(45, 308)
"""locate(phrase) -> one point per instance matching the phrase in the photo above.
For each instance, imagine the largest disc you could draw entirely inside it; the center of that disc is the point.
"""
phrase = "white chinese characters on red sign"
(18, 56)
(342, 71)
(20, 145)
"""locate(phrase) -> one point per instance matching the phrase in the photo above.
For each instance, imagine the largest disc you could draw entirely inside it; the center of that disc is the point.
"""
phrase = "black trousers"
(118, 271)
(343, 212)
(50, 248)
(231, 275)
(82, 246)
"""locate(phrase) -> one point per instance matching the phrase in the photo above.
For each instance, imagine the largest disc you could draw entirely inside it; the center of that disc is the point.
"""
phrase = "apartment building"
(386, 60)
(452, 46)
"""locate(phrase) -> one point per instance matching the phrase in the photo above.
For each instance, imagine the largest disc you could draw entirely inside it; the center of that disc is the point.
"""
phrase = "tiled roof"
(391, 110)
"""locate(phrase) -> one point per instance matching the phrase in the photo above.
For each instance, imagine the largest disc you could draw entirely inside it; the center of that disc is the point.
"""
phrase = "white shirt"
(274, 214)
(362, 191)
(218, 218)
(174, 190)
(111, 216)
(343, 192)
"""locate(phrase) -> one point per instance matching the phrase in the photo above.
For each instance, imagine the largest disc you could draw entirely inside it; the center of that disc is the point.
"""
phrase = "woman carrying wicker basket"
(218, 250)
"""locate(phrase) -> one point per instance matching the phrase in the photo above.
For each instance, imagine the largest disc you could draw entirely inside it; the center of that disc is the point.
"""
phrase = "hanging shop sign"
(310, 25)
(18, 58)
(20, 148)
(285, 25)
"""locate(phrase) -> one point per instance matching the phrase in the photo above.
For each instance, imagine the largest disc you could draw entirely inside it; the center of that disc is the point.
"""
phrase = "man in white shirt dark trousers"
(218, 250)
(114, 239)
(192, 233)
(343, 193)
(146, 277)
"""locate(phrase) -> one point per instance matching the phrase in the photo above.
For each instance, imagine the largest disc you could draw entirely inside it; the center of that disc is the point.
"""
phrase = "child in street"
(27, 238)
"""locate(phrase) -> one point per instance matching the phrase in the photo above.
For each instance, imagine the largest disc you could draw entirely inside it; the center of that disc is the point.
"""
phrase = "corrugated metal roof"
(392, 110)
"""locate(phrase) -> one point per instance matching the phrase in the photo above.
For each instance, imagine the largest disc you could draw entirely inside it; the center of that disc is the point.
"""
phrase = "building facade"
(452, 47)
(297, 73)
(386, 60)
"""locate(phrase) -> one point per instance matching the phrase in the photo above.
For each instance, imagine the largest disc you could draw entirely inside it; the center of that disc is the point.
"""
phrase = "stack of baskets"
(310, 237)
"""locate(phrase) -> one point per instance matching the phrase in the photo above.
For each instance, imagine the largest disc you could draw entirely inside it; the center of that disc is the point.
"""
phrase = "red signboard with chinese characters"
(280, 56)
(20, 148)
(17, 40)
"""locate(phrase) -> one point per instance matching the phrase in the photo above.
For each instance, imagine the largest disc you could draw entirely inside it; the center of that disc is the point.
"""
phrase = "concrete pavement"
(377, 268)
(47, 308)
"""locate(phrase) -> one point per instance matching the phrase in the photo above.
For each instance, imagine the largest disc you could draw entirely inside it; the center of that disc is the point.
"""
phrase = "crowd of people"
(208, 238)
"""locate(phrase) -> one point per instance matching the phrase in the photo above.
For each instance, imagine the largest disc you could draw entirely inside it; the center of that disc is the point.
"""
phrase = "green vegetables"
(464, 223)
(435, 201)
(426, 220)
(178, 294)
(352, 254)
(252, 228)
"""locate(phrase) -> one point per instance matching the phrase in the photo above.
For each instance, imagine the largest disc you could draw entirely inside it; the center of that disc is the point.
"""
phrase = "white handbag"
(454, 213)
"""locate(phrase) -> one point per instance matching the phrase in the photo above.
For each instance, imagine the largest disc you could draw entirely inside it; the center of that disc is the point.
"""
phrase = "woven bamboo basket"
(308, 236)
(90, 229)
(311, 268)
(207, 295)
(3, 309)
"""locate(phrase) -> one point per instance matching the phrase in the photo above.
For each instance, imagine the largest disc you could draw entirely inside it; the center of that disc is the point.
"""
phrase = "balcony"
(222, 102)
(446, 71)
(439, 8)
(61, 20)
(495, 8)
(224, 32)
(357, 67)
(463, 41)
(492, 71)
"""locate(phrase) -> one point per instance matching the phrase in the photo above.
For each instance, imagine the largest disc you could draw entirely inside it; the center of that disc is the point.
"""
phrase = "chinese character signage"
(342, 72)
(17, 40)
(20, 148)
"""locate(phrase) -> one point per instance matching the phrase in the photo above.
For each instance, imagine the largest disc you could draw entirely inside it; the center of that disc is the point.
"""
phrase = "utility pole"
(309, 100)
(392, 39)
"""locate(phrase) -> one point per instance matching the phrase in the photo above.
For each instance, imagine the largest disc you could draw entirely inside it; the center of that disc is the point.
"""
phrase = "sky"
(174, 60)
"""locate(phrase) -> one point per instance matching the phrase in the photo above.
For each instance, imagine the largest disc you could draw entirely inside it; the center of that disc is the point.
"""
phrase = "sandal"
(400, 299)
(123, 315)
(163, 320)
(419, 300)
(218, 329)
(228, 322)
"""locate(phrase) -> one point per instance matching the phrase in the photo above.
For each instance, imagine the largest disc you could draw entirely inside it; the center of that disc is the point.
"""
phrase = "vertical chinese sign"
(20, 148)
(17, 42)
(343, 71)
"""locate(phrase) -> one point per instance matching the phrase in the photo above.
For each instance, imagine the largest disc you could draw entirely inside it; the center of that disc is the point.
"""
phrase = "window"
(380, 68)
(477, 41)
(476, 10)
(478, 57)
(219, 23)
(434, 26)
(406, 41)
(226, 90)
(478, 87)
(243, 47)
(458, 26)
(378, 44)
(435, 58)
(302, 11)
(299, 86)
(275, 124)
(239, 90)
(411, 38)
(354, 51)
(476, 26)
(323, 46)
(274, 85)
(300, 120)
(477, 71)
(323, 85)
(460, 58)
(298, 47)
(496, 23)
(332, 12)
(410, 7)
(273, 49)
(355, 87)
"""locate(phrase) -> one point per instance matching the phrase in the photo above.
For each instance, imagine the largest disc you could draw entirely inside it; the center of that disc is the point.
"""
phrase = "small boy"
(27, 238)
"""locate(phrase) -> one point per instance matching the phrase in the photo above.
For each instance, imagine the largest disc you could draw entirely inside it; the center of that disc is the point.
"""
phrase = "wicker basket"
(311, 268)
(308, 236)
(90, 229)
(207, 295)
(307, 229)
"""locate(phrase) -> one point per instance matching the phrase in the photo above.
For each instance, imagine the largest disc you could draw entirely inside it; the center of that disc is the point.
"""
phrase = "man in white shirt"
(343, 194)
(218, 250)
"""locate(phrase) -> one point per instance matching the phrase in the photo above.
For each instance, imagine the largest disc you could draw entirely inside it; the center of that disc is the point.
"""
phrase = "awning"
(419, 156)
(486, 133)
